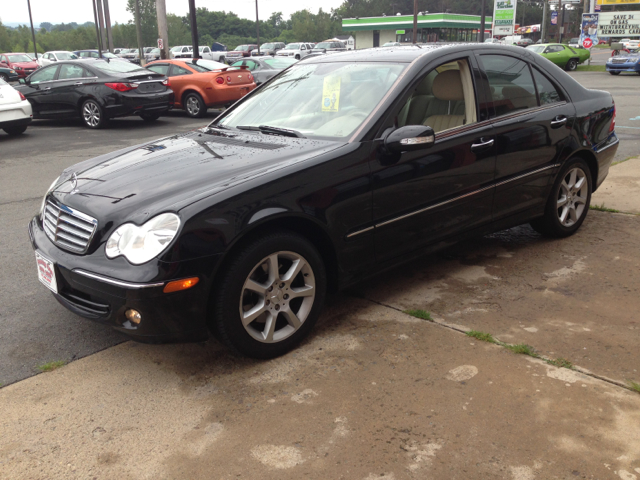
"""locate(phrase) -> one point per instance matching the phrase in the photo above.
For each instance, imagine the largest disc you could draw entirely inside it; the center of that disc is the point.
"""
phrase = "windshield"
(536, 48)
(268, 46)
(242, 48)
(176, 49)
(318, 100)
(292, 46)
(109, 55)
(206, 65)
(119, 67)
(66, 56)
(20, 58)
(323, 45)
(280, 62)
(147, 49)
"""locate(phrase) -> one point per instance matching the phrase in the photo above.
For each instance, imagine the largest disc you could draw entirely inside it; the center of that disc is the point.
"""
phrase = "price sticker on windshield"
(331, 94)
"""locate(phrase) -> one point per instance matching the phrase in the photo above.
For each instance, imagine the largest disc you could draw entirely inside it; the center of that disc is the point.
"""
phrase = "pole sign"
(618, 24)
(160, 44)
(589, 29)
(504, 14)
(554, 18)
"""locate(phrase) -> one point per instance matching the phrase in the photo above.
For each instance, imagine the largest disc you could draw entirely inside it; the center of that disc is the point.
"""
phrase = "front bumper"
(173, 317)
(623, 67)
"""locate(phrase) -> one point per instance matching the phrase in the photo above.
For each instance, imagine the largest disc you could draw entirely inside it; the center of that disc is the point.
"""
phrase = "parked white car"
(15, 110)
(49, 57)
(186, 51)
(295, 50)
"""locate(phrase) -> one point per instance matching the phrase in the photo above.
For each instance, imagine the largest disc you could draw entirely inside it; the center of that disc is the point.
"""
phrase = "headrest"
(426, 85)
(448, 86)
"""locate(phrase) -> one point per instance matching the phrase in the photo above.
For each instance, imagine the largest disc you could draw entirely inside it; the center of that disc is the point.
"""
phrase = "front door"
(425, 196)
(67, 91)
(532, 121)
(39, 90)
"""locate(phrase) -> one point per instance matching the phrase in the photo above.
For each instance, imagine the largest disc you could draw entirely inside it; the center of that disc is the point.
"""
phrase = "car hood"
(24, 64)
(173, 172)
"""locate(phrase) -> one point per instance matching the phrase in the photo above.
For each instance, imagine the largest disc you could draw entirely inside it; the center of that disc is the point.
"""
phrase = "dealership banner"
(589, 30)
(504, 14)
(618, 24)
(554, 18)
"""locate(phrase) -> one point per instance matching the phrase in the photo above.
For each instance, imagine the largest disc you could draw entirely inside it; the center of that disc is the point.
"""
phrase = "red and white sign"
(46, 273)
(160, 44)
(587, 43)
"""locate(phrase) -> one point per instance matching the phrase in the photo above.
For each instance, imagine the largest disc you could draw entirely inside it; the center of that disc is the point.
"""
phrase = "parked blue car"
(624, 62)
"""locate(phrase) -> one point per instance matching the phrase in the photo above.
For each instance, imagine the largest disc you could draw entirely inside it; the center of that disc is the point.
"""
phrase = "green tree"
(148, 20)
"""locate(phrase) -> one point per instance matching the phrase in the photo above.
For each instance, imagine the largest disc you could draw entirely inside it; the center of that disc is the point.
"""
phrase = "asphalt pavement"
(34, 329)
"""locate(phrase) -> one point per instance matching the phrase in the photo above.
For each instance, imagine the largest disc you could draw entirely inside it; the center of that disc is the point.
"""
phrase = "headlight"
(141, 244)
(610, 59)
(44, 199)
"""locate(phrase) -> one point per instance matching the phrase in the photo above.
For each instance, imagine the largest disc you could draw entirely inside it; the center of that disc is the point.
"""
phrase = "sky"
(81, 11)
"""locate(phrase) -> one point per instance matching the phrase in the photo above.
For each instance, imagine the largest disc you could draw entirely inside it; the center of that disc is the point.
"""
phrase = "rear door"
(532, 120)
(67, 90)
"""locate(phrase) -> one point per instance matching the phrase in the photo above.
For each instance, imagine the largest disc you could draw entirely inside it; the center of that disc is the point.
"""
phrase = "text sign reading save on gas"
(618, 24)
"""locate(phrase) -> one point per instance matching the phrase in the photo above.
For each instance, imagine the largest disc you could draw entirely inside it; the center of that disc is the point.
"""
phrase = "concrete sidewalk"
(374, 394)
(621, 189)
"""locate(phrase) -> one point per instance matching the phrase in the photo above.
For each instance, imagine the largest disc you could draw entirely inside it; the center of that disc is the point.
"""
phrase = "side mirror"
(410, 138)
(22, 81)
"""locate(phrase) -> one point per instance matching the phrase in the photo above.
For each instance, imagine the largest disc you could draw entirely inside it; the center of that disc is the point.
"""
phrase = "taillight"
(22, 97)
(220, 80)
(166, 82)
(250, 77)
(122, 87)
(613, 119)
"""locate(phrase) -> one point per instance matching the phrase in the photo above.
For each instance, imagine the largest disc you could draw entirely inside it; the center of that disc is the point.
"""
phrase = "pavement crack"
(24, 200)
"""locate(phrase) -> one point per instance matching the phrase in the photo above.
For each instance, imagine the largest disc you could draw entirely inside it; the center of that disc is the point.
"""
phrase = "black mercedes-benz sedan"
(338, 167)
(96, 90)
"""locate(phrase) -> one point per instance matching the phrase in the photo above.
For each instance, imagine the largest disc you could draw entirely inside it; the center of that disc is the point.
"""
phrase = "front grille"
(619, 60)
(88, 307)
(68, 228)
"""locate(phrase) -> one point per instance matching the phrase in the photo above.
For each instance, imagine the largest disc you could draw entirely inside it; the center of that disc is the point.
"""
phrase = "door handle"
(47, 88)
(558, 121)
(483, 144)
(78, 83)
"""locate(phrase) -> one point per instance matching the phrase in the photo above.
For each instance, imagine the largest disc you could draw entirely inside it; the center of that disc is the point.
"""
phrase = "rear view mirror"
(410, 138)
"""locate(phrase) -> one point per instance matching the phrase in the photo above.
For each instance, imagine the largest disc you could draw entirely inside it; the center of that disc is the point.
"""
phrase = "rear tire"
(92, 114)
(194, 105)
(571, 65)
(616, 73)
(269, 296)
(568, 202)
(13, 131)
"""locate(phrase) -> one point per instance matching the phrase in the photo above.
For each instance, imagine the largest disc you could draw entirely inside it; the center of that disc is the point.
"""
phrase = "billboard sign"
(618, 24)
(589, 29)
(554, 18)
(617, 2)
(504, 14)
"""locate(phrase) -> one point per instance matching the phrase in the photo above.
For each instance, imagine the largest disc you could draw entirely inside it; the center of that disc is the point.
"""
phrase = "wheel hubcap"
(91, 114)
(277, 297)
(572, 197)
(193, 107)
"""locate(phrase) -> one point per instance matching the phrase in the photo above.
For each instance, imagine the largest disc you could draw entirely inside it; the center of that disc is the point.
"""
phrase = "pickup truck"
(186, 51)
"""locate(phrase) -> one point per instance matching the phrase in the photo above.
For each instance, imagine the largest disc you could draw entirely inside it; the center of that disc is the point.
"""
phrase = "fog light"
(133, 316)
(178, 285)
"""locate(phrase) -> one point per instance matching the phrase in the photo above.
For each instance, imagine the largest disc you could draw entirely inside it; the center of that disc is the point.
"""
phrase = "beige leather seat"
(447, 86)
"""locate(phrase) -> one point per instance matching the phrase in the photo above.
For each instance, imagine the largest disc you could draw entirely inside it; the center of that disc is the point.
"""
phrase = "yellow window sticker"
(331, 94)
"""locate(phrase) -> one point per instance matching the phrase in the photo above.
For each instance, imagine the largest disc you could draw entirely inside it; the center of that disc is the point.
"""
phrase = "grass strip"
(591, 68)
(423, 314)
(49, 366)
(602, 208)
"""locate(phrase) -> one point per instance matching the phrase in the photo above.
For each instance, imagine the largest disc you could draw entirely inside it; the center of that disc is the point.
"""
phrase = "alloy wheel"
(277, 297)
(572, 197)
(91, 114)
(193, 106)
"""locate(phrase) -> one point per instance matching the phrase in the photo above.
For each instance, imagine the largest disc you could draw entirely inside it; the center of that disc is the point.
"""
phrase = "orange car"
(199, 84)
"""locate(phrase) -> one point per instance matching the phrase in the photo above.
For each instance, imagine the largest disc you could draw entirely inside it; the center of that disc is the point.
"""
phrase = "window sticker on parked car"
(331, 94)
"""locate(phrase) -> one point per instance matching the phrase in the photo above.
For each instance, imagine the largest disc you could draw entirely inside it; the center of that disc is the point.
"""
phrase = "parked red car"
(22, 63)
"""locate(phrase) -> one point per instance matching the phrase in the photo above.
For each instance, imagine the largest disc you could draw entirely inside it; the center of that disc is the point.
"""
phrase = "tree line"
(231, 30)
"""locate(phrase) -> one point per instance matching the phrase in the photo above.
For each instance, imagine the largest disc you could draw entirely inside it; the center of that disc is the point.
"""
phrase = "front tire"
(13, 131)
(92, 114)
(194, 105)
(569, 201)
(572, 65)
(270, 295)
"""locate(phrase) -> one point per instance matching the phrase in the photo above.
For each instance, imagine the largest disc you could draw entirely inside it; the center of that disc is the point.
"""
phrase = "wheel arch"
(189, 90)
(592, 162)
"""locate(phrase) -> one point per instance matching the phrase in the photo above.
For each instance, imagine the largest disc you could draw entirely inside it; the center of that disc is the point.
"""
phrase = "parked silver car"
(295, 50)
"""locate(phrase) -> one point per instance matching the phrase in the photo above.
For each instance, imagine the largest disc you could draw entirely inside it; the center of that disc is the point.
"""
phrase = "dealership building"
(432, 27)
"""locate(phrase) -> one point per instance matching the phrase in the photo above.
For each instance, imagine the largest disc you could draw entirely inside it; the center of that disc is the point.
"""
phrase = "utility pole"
(482, 21)
(558, 20)
(138, 31)
(103, 40)
(194, 28)
(95, 21)
(543, 27)
(33, 32)
(257, 27)
(107, 20)
(415, 21)
(161, 9)
(561, 30)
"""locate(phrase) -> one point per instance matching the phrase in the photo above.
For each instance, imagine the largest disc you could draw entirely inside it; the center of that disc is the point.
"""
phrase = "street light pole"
(95, 20)
(194, 28)
(33, 33)
(257, 27)
(415, 21)
(482, 21)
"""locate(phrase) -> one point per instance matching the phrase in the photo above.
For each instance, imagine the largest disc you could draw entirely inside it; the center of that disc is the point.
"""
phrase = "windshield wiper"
(273, 130)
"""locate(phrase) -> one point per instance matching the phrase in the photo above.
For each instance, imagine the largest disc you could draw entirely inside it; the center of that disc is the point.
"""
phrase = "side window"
(43, 75)
(546, 90)
(185, 49)
(176, 70)
(511, 84)
(70, 71)
(162, 68)
(251, 64)
(206, 50)
(444, 99)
